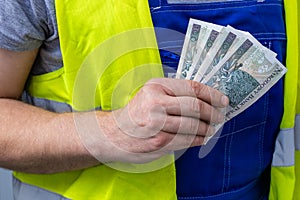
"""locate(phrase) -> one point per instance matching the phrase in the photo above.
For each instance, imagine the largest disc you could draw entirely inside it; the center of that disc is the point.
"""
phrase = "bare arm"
(165, 115)
(32, 139)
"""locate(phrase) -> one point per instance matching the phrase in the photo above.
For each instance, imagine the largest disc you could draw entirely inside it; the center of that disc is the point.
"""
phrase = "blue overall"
(238, 166)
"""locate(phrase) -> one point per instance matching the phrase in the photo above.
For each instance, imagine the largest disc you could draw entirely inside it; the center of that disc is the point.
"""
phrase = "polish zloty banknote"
(231, 61)
(205, 44)
(245, 75)
(228, 37)
(196, 36)
(200, 56)
(189, 49)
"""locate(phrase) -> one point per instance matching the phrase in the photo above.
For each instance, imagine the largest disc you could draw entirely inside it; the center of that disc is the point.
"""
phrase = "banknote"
(200, 56)
(206, 42)
(245, 75)
(189, 49)
(231, 61)
(196, 37)
(227, 39)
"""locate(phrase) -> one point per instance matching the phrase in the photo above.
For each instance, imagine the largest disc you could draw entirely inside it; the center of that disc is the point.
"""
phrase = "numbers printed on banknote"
(229, 37)
(197, 34)
(231, 61)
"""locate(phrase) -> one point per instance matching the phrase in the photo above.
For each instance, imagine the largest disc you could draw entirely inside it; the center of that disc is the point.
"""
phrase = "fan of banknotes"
(229, 60)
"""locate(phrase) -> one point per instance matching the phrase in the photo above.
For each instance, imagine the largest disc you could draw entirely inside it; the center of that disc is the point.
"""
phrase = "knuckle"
(154, 113)
(196, 105)
(198, 141)
(204, 129)
(153, 99)
(154, 80)
(193, 126)
(201, 106)
(217, 116)
(197, 88)
(155, 84)
(150, 87)
(158, 142)
(155, 123)
(156, 102)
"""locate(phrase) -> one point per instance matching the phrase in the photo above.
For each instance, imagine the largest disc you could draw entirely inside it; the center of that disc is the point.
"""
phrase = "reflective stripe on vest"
(297, 132)
(109, 51)
(285, 149)
(297, 154)
(284, 174)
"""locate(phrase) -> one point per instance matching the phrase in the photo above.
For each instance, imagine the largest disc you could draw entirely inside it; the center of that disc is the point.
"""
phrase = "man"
(36, 141)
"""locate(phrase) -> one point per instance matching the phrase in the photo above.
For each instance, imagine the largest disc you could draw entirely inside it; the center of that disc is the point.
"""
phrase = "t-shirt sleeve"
(23, 24)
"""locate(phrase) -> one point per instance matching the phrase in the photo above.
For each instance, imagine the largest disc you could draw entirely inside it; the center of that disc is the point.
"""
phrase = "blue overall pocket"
(238, 166)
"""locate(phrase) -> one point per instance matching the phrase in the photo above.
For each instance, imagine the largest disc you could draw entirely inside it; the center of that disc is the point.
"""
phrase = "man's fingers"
(173, 142)
(194, 107)
(214, 97)
(178, 87)
(187, 125)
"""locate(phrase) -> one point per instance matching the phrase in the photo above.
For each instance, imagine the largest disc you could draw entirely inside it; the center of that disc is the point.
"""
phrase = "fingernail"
(224, 100)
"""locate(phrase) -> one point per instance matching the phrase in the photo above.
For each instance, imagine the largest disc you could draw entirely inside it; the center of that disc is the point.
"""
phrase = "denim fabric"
(238, 166)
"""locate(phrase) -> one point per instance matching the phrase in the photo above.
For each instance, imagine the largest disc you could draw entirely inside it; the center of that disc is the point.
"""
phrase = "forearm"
(154, 123)
(37, 141)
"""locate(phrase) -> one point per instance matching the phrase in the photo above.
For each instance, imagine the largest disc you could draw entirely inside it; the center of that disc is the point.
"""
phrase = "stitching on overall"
(213, 9)
(172, 42)
(165, 4)
(273, 33)
(229, 158)
(225, 159)
(270, 38)
(264, 127)
(241, 130)
(224, 168)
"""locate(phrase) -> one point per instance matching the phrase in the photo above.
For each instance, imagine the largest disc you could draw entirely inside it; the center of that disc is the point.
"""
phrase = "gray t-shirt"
(31, 24)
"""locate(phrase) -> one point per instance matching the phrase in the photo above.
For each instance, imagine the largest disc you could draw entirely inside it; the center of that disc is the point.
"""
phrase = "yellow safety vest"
(86, 38)
(109, 51)
(285, 172)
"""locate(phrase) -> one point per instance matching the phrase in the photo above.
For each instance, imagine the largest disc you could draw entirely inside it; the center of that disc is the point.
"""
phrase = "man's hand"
(165, 115)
